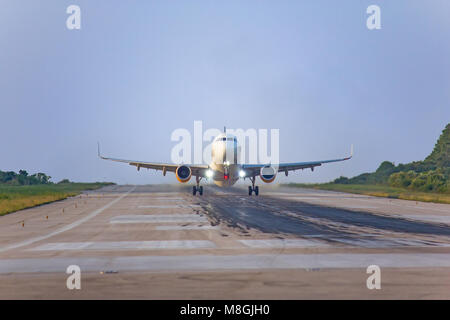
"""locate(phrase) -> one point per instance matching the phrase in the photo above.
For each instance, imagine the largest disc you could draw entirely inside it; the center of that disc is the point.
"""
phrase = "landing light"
(242, 173)
(209, 173)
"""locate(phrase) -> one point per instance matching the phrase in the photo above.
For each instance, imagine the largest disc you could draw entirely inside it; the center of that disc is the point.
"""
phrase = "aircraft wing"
(197, 170)
(255, 169)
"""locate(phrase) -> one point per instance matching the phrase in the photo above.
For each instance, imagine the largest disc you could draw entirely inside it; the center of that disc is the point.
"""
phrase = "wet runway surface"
(163, 242)
(270, 214)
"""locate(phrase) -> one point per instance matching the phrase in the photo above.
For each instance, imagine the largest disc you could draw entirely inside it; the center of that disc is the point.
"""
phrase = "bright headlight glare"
(242, 173)
(209, 173)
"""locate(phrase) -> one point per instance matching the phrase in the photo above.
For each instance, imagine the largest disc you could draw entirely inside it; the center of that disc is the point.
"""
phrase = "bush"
(402, 179)
(341, 180)
(433, 180)
(419, 182)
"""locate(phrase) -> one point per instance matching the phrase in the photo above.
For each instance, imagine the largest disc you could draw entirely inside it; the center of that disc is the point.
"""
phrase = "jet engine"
(268, 174)
(183, 173)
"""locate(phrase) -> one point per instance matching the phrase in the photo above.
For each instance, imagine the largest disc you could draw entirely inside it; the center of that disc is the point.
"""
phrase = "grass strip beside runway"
(378, 191)
(14, 198)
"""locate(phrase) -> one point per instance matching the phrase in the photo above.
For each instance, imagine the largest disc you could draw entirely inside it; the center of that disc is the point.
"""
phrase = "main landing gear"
(253, 188)
(197, 187)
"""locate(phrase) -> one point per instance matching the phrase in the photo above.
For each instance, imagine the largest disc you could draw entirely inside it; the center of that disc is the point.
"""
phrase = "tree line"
(431, 174)
(23, 178)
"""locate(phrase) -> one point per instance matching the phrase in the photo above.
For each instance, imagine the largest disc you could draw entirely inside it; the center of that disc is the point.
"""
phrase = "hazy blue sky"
(137, 70)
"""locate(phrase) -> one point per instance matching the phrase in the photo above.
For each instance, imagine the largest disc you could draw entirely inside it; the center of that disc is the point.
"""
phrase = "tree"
(441, 152)
(23, 173)
(22, 177)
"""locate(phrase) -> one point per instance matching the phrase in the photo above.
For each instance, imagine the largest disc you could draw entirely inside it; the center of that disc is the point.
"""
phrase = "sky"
(138, 70)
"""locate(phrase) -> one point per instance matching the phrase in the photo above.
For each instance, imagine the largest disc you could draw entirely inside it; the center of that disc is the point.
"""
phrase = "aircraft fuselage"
(225, 153)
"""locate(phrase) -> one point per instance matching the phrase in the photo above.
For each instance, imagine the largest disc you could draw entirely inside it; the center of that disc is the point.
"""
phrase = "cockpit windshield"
(229, 139)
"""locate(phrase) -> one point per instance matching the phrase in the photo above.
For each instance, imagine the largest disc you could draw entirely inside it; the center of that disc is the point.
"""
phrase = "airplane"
(221, 170)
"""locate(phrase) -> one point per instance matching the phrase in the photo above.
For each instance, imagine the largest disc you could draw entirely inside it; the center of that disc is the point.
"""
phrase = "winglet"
(98, 150)
(351, 153)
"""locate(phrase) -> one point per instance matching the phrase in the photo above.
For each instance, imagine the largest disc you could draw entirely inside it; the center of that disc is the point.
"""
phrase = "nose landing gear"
(253, 188)
(197, 187)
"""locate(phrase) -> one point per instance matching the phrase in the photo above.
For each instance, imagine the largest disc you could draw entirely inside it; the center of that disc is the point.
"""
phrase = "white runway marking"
(160, 206)
(375, 202)
(165, 194)
(339, 205)
(187, 228)
(427, 218)
(159, 218)
(282, 243)
(364, 243)
(170, 206)
(168, 199)
(68, 227)
(126, 245)
(228, 262)
(389, 242)
(356, 207)
(425, 209)
(305, 198)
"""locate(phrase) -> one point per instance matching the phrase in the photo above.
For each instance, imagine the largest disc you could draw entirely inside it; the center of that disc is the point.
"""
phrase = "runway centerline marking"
(69, 226)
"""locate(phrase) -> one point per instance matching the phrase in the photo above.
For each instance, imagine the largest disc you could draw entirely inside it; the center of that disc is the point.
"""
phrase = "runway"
(160, 242)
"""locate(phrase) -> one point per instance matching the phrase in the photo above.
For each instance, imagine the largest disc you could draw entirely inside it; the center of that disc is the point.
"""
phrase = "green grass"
(379, 191)
(14, 198)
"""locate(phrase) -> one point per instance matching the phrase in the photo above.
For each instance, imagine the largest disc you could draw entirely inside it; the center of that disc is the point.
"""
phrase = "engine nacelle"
(268, 174)
(183, 173)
